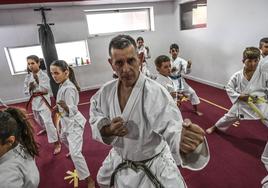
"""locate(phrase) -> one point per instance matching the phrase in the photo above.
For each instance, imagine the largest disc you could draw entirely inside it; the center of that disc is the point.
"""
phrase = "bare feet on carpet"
(211, 129)
(57, 148)
(90, 182)
(198, 113)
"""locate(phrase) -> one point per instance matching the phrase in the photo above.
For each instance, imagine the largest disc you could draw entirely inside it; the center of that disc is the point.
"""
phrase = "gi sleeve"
(185, 68)
(166, 120)
(147, 53)
(26, 84)
(231, 88)
(98, 118)
(71, 100)
(43, 85)
(11, 177)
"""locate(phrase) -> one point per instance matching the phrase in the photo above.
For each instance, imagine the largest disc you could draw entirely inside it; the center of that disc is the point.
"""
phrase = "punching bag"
(47, 43)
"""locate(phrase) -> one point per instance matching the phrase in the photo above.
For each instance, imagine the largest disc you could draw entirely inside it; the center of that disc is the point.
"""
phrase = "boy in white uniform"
(163, 66)
(245, 85)
(250, 82)
(179, 67)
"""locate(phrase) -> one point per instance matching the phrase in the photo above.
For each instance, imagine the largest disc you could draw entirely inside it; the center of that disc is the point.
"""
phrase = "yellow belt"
(73, 176)
(252, 101)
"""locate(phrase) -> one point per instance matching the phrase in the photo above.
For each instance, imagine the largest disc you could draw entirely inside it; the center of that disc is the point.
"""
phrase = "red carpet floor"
(235, 155)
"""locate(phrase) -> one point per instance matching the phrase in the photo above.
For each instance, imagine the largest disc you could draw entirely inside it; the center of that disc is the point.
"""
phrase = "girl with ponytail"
(72, 121)
(17, 151)
(36, 85)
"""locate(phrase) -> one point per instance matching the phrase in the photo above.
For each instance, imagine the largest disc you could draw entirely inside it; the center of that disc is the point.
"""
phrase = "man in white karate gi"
(141, 121)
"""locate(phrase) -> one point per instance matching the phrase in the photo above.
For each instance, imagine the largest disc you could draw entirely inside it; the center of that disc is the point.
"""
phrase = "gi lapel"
(253, 80)
(133, 98)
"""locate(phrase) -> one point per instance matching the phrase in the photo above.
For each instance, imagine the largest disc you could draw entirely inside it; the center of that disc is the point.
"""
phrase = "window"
(193, 14)
(118, 20)
(71, 52)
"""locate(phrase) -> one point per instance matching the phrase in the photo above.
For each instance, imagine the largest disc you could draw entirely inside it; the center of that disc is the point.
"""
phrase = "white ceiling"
(11, 4)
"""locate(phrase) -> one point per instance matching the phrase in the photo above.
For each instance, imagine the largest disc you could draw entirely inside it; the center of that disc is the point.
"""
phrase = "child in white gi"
(72, 121)
(163, 66)
(180, 66)
(36, 84)
(250, 83)
(144, 54)
(17, 151)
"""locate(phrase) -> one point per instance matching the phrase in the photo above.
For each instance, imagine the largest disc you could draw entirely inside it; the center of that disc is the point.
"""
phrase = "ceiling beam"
(14, 4)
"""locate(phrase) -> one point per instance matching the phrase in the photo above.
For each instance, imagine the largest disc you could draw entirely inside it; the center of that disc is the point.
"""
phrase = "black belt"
(137, 165)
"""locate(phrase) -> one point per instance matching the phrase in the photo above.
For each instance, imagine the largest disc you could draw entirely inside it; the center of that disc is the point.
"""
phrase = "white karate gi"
(257, 86)
(147, 55)
(264, 182)
(180, 83)
(167, 83)
(41, 112)
(18, 169)
(237, 85)
(264, 159)
(264, 156)
(72, 127)
(263, 59)
(154, 126)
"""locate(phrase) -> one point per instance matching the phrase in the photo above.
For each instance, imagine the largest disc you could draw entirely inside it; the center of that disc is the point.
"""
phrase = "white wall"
(216, 51)
(18, 28)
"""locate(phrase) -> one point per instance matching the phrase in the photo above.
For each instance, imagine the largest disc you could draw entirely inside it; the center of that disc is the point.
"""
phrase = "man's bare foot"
(90, 182)
(57, 148)
(43, 131)
(211, 129)
(198, 113)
